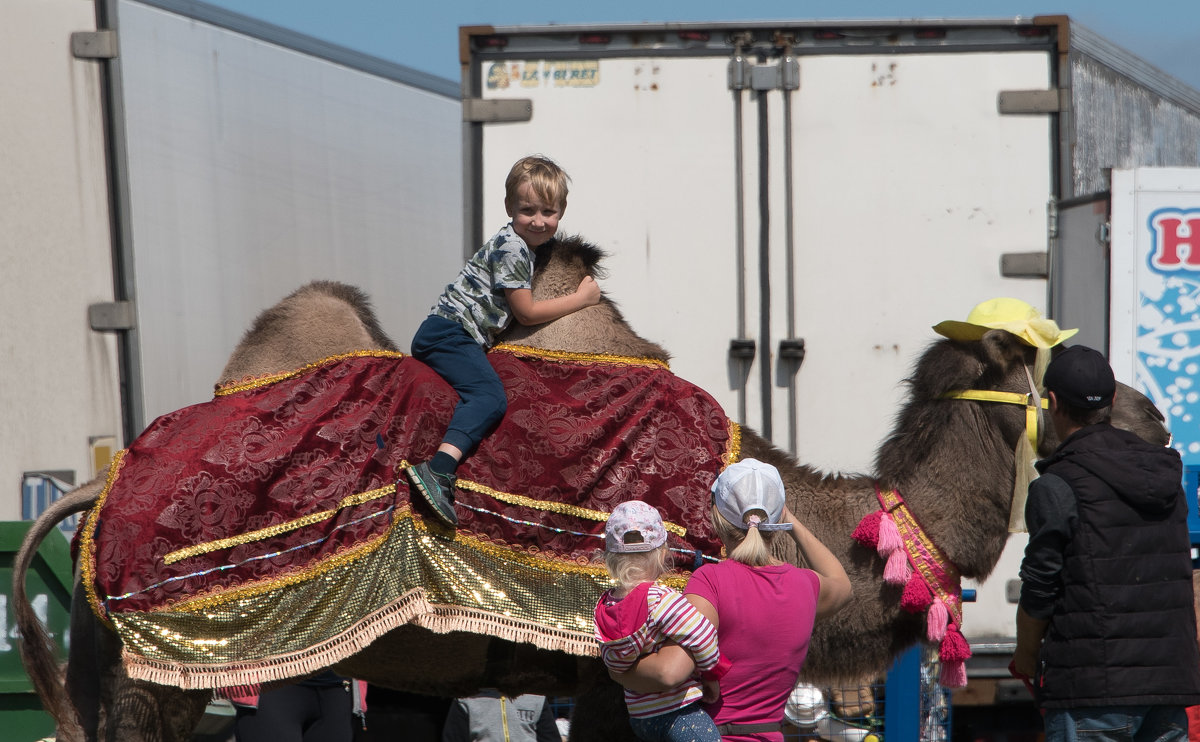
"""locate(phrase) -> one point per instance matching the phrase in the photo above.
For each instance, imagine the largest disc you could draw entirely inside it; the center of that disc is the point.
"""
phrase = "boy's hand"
(711, 690)
(588, 291)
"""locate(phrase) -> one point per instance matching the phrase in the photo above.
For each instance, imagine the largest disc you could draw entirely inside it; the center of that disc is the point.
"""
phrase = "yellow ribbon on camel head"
(1031, 328)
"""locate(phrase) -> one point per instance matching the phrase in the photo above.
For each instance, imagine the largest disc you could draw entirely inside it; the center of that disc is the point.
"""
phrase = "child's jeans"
(688, 724)
(446, 347)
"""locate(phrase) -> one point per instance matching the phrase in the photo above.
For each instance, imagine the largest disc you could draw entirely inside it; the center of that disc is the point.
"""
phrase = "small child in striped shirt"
(637, 616)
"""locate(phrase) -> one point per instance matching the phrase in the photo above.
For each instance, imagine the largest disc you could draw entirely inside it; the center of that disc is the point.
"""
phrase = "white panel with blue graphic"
(1155, 322)
(1169, 323)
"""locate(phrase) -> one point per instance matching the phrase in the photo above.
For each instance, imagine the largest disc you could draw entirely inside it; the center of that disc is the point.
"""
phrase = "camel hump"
(317, 320)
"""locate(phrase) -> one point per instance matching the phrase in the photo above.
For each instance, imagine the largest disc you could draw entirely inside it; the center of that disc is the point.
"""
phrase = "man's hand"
(1030, 631)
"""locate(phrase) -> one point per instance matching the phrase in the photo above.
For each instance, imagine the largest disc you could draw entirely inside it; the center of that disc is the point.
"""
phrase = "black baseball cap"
(1081, 377)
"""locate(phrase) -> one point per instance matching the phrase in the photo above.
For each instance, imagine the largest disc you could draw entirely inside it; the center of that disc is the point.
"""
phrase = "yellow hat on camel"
(1005, 313)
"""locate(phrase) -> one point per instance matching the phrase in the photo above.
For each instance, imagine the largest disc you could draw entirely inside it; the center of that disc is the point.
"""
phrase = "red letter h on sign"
(1168, 240)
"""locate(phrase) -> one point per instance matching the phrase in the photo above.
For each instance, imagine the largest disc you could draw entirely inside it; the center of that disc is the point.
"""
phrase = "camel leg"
(146, 712)
(86, 665)
(114, 707)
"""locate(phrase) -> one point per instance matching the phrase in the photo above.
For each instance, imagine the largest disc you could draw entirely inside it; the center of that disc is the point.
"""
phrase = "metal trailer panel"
(254, 165)
(59, 385)
(912, 146)
(1124, 113)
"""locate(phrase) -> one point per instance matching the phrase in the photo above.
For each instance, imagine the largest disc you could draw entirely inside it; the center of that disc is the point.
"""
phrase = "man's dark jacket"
(1123, 631)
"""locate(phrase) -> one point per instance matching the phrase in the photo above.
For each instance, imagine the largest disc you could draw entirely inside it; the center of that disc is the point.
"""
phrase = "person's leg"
(280, 717)
(446, 348)
(651, 728)
(335, 718)
(1097, 724)
(692, 724)
(458, 359)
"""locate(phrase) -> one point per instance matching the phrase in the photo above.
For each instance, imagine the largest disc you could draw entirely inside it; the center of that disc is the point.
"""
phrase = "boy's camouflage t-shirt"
(475, 299)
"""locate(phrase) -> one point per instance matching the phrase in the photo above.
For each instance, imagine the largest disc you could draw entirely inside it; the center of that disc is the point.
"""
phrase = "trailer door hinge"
(1025, 265)
(94, 44)
(1024, 102)
(492, 111)
(111, 316)
(782, 76)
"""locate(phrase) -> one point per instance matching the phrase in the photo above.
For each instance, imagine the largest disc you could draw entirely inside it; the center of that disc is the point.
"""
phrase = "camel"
(952, 460)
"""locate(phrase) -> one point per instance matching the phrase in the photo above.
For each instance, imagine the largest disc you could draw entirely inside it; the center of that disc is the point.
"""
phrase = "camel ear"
(1003, 349)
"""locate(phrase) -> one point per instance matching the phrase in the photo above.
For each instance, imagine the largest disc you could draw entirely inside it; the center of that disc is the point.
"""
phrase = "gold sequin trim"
(563, 356)
(261, 381)
(340, 559)
(553, 507)
(87, 543)
(733, 453)
(277, 529)
(212, 600)
(509, 554)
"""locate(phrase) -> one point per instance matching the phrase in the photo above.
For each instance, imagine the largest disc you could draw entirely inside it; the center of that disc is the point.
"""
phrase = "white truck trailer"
(170, 169)
(789, 206)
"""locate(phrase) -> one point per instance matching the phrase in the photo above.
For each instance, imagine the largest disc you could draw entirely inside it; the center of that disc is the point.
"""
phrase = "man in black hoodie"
(1105, 623)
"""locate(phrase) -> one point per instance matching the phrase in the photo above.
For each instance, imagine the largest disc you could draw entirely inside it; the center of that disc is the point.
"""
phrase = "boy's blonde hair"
(753, 547)
(632, 569)
(547, 180)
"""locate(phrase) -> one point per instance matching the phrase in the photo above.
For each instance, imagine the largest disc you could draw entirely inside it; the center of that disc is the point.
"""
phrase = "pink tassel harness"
(931, 581)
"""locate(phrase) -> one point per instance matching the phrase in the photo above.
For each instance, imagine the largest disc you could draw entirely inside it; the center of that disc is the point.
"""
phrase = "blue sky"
(423, 34)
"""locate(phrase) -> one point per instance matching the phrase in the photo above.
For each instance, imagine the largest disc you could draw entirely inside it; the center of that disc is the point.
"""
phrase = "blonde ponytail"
(752, 547)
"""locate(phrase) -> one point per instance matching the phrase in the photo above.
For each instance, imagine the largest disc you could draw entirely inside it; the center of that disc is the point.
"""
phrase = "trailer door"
(1079, 269)
(788, 221)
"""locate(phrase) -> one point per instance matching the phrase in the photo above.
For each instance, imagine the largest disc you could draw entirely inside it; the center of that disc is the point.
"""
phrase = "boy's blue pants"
(446, 347)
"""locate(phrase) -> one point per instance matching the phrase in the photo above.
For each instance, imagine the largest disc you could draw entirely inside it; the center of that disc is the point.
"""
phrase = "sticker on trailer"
(543, 74)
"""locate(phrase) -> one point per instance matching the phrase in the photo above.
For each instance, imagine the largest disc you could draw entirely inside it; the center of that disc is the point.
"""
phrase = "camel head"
(559, 266)
(954, 459)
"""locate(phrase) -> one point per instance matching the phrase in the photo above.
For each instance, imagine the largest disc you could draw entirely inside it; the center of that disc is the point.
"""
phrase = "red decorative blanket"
(283, 490)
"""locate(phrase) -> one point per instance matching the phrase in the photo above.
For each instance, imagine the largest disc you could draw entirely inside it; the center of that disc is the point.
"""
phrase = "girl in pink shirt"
(638, 615)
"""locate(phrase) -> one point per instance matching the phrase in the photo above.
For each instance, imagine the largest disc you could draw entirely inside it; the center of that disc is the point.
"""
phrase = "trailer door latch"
(792, 349)
(742, 348)
(496, 110)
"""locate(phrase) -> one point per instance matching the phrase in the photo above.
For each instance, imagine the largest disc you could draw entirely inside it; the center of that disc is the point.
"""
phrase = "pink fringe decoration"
(889, 537)
(867, 531)
(954, 653)
(954, 647)
(897, 571)
(916, 597)
(936, 621)
(954, 675)
(881, 531)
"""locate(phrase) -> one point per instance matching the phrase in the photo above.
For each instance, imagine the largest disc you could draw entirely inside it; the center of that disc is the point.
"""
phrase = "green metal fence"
(48, 585)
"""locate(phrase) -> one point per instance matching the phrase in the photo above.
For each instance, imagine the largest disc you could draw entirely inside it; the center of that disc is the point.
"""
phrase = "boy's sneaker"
(438, 491)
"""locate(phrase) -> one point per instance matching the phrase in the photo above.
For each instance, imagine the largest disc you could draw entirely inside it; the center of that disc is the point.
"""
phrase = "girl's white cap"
(636, 519)
(751, 485)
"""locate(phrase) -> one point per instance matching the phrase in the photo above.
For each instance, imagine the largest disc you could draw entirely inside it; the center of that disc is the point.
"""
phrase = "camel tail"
(37, 649)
